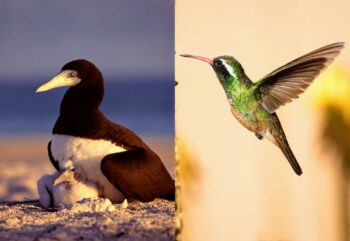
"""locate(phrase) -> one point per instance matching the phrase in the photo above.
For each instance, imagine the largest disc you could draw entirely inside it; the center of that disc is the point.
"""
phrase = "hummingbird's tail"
(278, 137)
(284, 146)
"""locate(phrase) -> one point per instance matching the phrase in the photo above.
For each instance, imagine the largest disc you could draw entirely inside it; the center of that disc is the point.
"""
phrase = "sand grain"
(26, 220)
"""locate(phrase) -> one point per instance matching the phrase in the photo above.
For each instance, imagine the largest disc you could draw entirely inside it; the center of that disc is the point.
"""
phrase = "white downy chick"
(44, 186)
(65, 186)
(69, 187)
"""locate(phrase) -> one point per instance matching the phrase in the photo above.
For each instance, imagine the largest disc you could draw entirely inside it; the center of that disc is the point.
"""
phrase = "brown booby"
(108, 154)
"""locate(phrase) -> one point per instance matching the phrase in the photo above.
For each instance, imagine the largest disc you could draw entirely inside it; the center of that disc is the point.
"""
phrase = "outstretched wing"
(139, 174)
(52, 159)
(290, 80)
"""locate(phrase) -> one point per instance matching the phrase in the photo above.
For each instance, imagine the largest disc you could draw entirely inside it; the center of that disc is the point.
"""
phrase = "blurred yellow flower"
(332, 88)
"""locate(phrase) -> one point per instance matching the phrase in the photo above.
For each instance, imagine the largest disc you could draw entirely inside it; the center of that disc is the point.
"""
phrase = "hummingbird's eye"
(217, 62)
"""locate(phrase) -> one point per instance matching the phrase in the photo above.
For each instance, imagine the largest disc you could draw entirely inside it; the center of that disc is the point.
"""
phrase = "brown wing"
(290, 80)
(139, 174)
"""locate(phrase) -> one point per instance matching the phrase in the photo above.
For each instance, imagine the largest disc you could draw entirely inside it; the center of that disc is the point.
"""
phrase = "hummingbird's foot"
(259, 135)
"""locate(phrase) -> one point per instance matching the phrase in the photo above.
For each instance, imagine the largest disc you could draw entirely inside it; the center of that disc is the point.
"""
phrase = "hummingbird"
(254, 104)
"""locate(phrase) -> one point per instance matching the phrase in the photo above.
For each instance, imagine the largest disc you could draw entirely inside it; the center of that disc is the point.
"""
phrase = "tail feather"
(290, 157)
(277, 136)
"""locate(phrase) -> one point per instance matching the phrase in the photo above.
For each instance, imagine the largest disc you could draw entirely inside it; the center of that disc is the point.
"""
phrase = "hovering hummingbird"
(254, 104)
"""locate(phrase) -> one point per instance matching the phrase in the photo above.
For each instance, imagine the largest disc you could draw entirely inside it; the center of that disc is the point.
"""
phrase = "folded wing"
(139, 174)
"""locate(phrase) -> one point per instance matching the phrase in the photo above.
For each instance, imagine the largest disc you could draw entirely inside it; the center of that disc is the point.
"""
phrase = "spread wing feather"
(290, 80)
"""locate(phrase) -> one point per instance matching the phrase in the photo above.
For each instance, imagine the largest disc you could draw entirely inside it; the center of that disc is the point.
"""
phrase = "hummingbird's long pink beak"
(209, 61)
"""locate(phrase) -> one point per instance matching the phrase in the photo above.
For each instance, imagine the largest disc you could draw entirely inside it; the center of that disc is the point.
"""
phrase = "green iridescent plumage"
(254, 104)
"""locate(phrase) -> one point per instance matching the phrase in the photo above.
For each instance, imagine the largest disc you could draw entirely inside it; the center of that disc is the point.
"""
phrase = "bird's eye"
(74, 74)
(218, 62)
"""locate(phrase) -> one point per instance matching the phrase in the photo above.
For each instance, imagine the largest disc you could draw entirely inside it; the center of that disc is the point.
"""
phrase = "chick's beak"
(63, 176)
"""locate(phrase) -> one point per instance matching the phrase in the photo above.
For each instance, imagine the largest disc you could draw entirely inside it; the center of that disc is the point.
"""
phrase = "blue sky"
(123, 38)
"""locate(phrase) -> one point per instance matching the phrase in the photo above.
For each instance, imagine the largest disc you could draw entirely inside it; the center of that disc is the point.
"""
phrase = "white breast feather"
(87, 155)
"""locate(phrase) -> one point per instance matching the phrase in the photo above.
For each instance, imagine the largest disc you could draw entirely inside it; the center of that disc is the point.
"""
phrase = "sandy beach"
(24, 160)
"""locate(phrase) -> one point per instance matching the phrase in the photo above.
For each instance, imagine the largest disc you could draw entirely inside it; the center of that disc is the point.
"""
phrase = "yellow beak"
(64, 78)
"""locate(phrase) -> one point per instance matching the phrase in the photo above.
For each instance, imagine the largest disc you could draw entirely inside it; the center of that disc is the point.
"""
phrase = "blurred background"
(235, 187)
(132, 43)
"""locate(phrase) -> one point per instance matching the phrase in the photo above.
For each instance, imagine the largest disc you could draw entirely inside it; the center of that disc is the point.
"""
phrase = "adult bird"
(254, 104)
(110, 155)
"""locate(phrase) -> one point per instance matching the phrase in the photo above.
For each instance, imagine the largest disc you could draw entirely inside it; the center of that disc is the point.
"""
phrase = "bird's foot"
(259, 135)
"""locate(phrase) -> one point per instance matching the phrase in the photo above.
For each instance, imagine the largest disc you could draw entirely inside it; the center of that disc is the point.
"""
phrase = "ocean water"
(147, 107)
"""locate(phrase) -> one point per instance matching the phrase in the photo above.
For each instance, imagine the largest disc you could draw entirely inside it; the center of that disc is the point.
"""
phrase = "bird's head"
(65, 176)
(76, 74)
(86, 87)
(226, 67)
